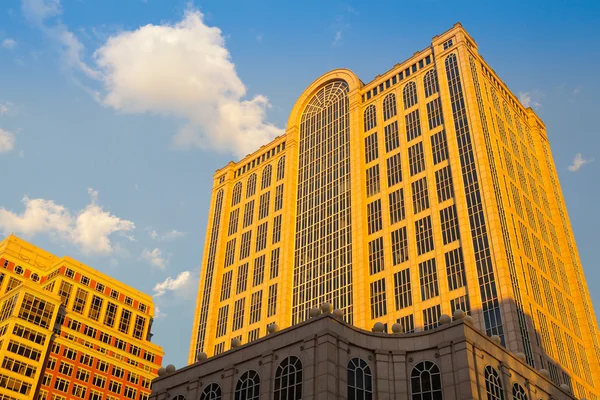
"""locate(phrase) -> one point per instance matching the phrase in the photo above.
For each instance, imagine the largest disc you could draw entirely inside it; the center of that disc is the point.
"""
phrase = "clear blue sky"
(140, 101)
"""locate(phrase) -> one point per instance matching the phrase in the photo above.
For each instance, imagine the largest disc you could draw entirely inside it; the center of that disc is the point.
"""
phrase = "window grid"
(443, 183)
(255, 307)
(394, 170)
(402, 289)
(376, 257)
(360, 385)
(261, 236)
(424, 235)
(371, 148)
(399, 246)
(370, 117)
(242, 278)
(374, 221)
(392, 139)
(263, 208)
(420, 195)
(413, 125)
(396, 202)
(416, 159)
(431, 317)
(409, 95)
(430, 83)
(258, 275)
(439, 147)
(434, 113)
(373, 180)
(428, 279)
(378, 301)
(389, 106)
(272, 301)
(455, 269)
(248, 214)
(449, 222)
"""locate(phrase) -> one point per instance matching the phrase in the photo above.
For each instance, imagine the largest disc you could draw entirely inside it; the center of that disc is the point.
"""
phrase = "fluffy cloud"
(9, 43)
(7, 141)
(530, 99)
(184, 70)
(170, 235)
(579, 162)
(154, 257)
(90, 228)
(182, 281)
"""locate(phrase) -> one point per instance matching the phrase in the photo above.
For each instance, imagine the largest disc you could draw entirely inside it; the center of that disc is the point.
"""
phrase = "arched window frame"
(360, 379)
(251, 186)
(389, 106)
(370, 117)
(281, 168)
(430, 83)
(211, 392)
(236, 196)
(518, 392)
(290, 368)
(248, 386)
(431, 372)
(409, 95)
(493, 384)
(266, 177)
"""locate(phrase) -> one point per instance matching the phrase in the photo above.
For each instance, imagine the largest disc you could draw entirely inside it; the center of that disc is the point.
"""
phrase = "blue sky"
(114, 114)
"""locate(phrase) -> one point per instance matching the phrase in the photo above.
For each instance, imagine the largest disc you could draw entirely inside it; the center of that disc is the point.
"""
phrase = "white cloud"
(7, 141)
(6, 107)
(89, 229)
(530, 99)
(184, 70)
(170, 235)
(171, 285)
(158, 313)
(579, 162)
(9, 43)
(154, 257)
(338, 38)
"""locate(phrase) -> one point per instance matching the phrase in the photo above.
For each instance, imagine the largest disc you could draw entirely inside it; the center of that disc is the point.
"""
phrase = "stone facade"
(456, 354)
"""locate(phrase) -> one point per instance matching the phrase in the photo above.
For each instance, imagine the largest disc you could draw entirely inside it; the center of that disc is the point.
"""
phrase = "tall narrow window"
(434, 113)
(420, 195)
(439, 147)
(376, 263)
(428, 279)
(374, 216)
(396, 201)
(431, 317)
(416, 159)
(238, 314)
(518, 392)
(430, 83)
(455, 269)
(222, 321)
(360, 384)
(370, 117)
(413, 125)
(373, 186)
(443, 183)
(288, 379)
(236, 197)
(394, 170)
(248, 386)
(378, 299)
(371, 147)
(399, 246)
(402, 289)
(389, 106)
(211, 392)
(392, 140)
(424, 234)
(409, 95)
(281, 168)
(266, 177)
(493, 384)
(263, 207)
(80, 300)
(449, 221)
(125, 321)
(426, 381)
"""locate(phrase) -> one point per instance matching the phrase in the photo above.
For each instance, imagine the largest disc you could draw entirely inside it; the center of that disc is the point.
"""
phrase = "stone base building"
(325, 358)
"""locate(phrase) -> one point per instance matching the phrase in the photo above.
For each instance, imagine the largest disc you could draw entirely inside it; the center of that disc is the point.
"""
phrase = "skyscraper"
(429, 189)
(68, 331)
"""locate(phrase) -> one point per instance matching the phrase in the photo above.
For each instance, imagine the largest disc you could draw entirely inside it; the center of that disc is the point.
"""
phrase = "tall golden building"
(68, 331)
(429, 189)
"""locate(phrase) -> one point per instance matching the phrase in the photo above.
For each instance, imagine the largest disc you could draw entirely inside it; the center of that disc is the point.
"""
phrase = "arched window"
(493, 384)
(211, 392)
(237, 194)
(430, 83)
(248, 386)
(288, 379)
(266, 177)
(281, 168)
(251, 187)
(360, 380)
(370, 118)
(409, 94)
(389, 106)
(426, 381)
(519, 392)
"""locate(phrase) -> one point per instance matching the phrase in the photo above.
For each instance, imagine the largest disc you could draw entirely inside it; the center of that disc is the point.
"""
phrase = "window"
(360, 385)
(258, 275)
(222, 321)
(431, 317)
(428, 279)
(245, 245)
(61, 384)
(413, 125)
(373, 180)
(399, 246)
(455, 269)
(36, 311)
(276, 230)
(374, 216)
(248, 213)
(389, 106)
(230, 252)
(281, 168)
(251, 187)
(226, 285)
(392, 140)
(255, 307)
(424, 234)
(434, 113)
(416, 159)
(64, 292)
(376, 263)
(242, 278)
(371, 147)
(266, 177)
(426, 381)
(211, 392)
(402, 289)
(272, 301)
(370, 118)
(125, 320)
(274, 269)
(278, 197)
(236, 197)
(439, 147)
(238, 314)
(261, 236)
(378, 301)
(443, 182)
(409, 95)
(95, 308)
(518, 392)
(493, 384)
(248, 386)
(394, 170)
(420, 195)
(263, 208)
(407, 323)
(396, 200)
(288, 379)
(449, 221)
(460, 303)
(447, 44)
(430, 83)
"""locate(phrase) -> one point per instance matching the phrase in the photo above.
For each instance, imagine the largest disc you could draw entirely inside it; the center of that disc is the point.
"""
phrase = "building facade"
(427, 190)
(68, 331)
(325, 358)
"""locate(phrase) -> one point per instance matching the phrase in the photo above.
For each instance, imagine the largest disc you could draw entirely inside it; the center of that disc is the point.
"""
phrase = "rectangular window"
(549, 299)
(259, 271)
(394, 170)
(139, 326)
(276, 229)
(434, 113)
(535, 286)
(238, 314)
(396, 200)
(443, 182)
(424, 235)
(222, 321)
(65, 292)
(242, 278)
(274, 270)
(455, 269)
(378, 302)
(376, 263)
(263, 208)
(125, 321)
(245, 245)
(413, 125)
(62, 385)
(439, 147)
(230, 252)
(374, 216)
(248, 213)
(509, 164)
(407, 323)
(226, 285)
(431, 317)
(272, 301)
(428, 279)
(402, 289)
(80, 300)
(95, 308)
(392, 140)
(261, 236)
(371, 148)
(373, 186)
(449, 221)
(219, 348)
(279, 197)
(460, 303)
(111, 314)
(416, 159)
(399, 246)
(255, 307)
(234, 217)
(420, 195)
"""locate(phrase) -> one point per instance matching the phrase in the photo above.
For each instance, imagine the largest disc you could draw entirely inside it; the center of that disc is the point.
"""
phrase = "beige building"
(429, 189)
(325, 358)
